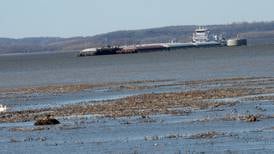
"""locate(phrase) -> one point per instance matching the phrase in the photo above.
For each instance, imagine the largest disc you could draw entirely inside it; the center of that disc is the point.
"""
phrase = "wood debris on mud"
(179, 103)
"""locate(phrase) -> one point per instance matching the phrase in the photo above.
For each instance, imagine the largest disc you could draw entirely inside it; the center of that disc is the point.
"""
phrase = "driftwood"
(46, 121)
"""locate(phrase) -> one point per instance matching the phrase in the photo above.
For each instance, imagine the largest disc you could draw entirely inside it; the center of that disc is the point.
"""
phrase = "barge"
(201, 38)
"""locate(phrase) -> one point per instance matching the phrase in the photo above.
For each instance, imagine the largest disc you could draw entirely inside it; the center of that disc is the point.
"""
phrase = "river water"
(159, 133)
(189, 64)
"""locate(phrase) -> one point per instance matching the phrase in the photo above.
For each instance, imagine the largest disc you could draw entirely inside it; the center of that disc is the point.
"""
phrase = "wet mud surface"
(226, 115)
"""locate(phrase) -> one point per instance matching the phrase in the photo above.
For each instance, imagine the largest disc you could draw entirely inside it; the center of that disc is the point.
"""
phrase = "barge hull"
(144, 49)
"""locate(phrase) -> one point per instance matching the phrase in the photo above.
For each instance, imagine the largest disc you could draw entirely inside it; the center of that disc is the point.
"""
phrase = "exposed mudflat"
(230, 115)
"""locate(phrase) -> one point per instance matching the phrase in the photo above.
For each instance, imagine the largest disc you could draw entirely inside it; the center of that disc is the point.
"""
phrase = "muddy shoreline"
(176, 103)
(204, 117)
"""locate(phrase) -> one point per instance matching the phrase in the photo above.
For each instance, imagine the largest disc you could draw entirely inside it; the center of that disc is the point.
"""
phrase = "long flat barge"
(144, 48)
(200, 39)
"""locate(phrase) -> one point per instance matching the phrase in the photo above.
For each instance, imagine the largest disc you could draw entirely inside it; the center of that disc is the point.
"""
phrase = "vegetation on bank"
(256, 33)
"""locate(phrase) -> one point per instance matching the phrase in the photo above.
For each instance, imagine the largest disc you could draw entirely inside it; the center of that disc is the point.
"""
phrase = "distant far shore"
(37, 52)
(255, 33)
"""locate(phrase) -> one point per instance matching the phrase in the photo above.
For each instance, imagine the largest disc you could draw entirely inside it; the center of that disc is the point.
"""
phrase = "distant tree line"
(256, 32)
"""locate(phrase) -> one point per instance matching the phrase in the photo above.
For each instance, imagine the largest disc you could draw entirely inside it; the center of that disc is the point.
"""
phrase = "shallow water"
(23, 101)
(157, 134)
(160, 133)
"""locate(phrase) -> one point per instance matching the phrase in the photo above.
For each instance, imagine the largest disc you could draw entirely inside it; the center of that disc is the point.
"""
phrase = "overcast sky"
(66, 18)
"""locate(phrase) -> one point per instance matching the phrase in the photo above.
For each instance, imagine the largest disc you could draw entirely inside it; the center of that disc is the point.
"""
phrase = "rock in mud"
(251, 118)
(46, 121)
